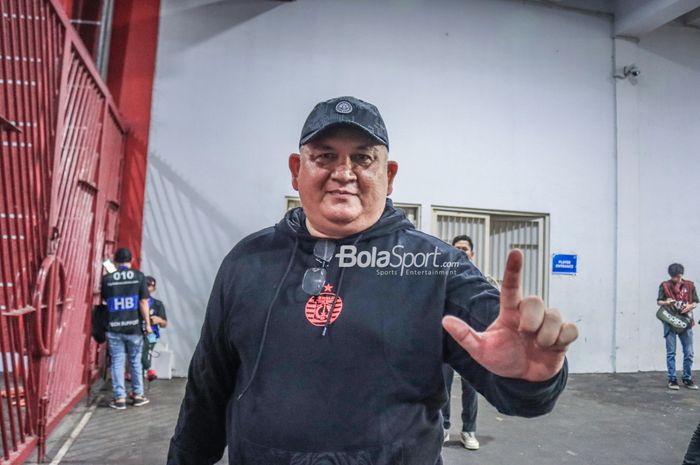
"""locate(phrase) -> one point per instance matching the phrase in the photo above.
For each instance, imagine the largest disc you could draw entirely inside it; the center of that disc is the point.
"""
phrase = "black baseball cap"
(123, 255)
(348, 111)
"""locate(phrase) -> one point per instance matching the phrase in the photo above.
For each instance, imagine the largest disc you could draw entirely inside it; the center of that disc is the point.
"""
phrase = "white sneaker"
(469, 440)
(446, 435)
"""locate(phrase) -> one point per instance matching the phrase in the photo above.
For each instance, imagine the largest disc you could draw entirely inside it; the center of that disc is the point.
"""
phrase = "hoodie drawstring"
(337, 293)
(267, 319)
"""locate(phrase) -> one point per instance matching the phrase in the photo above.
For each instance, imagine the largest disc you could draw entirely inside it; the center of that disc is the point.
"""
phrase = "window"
(412, 209)
(292, 202)
(412, 212)
(494, 234)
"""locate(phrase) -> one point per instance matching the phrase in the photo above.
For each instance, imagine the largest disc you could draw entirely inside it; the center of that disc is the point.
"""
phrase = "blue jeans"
(687, 345)
(122, 346)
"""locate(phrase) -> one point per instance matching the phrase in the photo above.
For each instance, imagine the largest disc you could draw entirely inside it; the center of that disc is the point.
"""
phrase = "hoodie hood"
(294, 225)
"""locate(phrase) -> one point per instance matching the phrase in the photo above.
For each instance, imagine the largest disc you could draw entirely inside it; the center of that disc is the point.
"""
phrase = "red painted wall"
(132, 60)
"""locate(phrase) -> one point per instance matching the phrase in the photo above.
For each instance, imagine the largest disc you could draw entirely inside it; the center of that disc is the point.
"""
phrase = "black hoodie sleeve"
(471, 298)
(200, 434)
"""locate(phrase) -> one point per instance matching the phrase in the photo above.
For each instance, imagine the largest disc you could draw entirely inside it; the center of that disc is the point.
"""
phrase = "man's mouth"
(341, 193)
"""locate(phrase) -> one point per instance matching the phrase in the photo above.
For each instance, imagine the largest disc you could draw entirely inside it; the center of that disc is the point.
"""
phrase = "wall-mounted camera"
(631, 72)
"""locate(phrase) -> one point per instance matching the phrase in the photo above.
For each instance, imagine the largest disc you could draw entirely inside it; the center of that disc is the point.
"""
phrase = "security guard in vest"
(126, 295)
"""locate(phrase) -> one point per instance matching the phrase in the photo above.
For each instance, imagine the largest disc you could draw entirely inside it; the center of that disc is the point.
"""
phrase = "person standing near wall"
(470, 405)
(125, 293)
(159, 320)
(682, 293)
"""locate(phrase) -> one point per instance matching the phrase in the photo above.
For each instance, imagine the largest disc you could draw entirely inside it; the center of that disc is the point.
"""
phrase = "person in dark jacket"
(324, 335)
(159, 320)
(692, 454)
(125, 294)
(470, 404)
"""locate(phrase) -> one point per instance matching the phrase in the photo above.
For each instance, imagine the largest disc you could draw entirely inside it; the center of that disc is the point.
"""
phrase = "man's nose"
(343, 170)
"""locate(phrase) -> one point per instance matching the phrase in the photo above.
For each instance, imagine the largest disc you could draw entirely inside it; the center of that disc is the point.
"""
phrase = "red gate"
(61, 162)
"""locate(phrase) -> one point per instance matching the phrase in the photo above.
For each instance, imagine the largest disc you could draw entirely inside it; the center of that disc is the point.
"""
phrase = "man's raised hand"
(527, 340)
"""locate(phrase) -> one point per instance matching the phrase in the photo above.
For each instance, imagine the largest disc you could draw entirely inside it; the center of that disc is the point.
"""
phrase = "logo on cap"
(343, 107)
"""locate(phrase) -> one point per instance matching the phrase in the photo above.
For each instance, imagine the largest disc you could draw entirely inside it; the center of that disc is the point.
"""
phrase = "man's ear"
(294, 166)
(392, 168)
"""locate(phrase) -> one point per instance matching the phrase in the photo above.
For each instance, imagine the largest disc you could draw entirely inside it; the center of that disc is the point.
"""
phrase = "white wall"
(489, 104)
(667, 164)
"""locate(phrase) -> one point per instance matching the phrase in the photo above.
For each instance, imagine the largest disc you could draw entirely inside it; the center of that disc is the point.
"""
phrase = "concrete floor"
(623, 419)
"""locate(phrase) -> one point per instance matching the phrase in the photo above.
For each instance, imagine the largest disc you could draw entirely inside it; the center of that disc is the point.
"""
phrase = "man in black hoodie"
(324, 335)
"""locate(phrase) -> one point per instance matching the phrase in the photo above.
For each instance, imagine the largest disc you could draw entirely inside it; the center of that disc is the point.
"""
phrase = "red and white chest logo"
(318, 307)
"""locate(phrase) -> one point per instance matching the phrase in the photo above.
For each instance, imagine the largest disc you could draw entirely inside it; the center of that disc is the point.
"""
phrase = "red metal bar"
(98, 238)
(42, 429)
(3, 427)
(24, 373)
(16, 377)
(29, 201)
(31, 388)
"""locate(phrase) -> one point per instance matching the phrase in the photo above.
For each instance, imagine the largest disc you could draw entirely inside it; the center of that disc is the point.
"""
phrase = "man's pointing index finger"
(511, 289)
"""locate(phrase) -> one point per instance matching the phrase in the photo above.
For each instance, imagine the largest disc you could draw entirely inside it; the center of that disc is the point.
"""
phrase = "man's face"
(343, 178)
(466, 248)
(676, 279)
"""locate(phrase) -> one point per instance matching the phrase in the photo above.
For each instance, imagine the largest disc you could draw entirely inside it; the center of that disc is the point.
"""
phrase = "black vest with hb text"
(121, 292)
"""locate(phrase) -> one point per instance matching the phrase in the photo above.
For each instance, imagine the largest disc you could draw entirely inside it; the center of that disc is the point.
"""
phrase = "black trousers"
(692, 455)
(470, 405)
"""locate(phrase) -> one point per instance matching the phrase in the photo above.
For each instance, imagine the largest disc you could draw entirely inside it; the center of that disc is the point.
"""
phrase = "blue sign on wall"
(563, 264)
